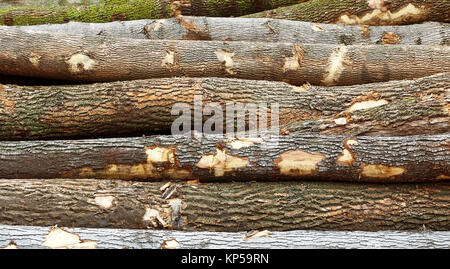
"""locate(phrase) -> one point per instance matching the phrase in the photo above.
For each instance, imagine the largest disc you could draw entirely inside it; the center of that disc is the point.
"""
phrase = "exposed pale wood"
(258, 29)
(27, 237)
(370, 12)
(130, 107)
(224, 206)
(95, 58)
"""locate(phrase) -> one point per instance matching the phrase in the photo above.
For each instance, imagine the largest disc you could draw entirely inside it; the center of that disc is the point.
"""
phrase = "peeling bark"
(91, 58)
(214, 158)
(114, 10)
(364, 12)
(144, 106)
(258, 29)
(224, 207)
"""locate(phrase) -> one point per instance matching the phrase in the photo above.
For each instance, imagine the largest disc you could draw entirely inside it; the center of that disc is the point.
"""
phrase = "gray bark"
(26, 237)
(257, 29)
(99, 58)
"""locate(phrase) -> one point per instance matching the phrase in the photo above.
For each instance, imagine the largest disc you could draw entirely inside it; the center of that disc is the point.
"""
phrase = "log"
(365, 12)
(50, 3)
(258, 29)
(32, 237)
(96, 58)
(216, 158)
(231, 207)
(119, 10)
(130, 108)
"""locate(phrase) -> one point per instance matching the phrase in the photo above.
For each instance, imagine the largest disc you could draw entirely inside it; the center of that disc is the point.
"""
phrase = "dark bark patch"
(191, 35)
(258, 5)
(346, 40)
(8, 19)
(193, 32)
(119, 17)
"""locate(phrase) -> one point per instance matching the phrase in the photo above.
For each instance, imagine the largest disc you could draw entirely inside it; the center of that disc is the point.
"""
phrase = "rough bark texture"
(50, 3)
(120, 10)
(368, 12)
(144, 106)
(225, 207)
(95, 58)
(213, 158)
(258, 29)
(32, 237)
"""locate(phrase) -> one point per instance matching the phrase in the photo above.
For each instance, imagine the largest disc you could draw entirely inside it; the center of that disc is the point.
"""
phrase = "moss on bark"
(111, 10)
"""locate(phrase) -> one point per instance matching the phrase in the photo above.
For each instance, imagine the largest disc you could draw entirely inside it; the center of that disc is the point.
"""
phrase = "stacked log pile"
(87, 91)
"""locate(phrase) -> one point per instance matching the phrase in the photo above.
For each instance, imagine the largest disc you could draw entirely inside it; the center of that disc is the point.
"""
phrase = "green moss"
(23, 18)
(211, 7)
(244, 6)
(225, 8)
(138, 9)
(104, 12)
(108, 10)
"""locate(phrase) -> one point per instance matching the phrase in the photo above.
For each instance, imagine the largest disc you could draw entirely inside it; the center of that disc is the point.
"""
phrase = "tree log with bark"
(144, 107)
(97, 58)
(228, 207)
(120, 10)
(258, 29)
(26, 237)
(364, 12)
(215, 158)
